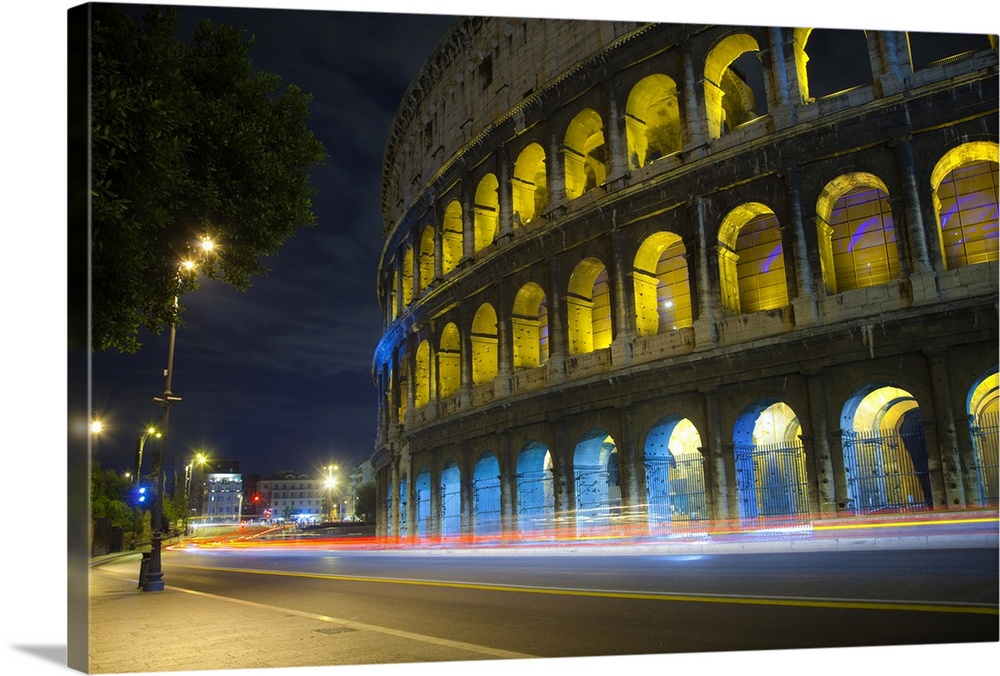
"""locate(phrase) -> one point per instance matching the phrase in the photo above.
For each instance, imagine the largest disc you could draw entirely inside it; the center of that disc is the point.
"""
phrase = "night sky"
(279, 376)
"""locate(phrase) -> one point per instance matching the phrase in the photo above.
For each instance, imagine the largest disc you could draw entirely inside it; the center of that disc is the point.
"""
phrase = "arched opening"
(535, 494)
(449, 361)
(393, 298)
(484, 345)
(407, 276)
(528, 185)
(451, 237)
(486, 212)
(451, 500)
(751, 260)
(675, 475)
(588, 307)
(598, 488)
(982, 407)
(830, 61)
(426, 258)
(652, 120)
(662, 288)
(770, 463)
(422, 493)
(932, 49)
(486, 495)
(422, 375)
(733, 84)
(885, 455)
(856, 234)
(964, 184)
(530, 327)
(404, 370)
(584, 154)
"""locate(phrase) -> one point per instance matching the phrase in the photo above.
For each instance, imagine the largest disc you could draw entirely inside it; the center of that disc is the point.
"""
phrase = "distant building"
(288, 496)
(361, 475)
(222, 490)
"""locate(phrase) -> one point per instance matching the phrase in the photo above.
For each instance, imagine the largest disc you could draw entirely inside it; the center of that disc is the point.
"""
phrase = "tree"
(187, 140)
(364, 507)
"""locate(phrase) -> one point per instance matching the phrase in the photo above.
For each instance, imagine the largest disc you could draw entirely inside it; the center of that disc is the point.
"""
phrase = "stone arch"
(535, 489)
(588, 307)
(652, 120)
(486, 495)
(529, 188)
(885, 454)
(484, 345)
(729, 98)
(584, 153)
(661, 285)
(449, 361)
(485, 212)
(983, 408)
(422, 494)
(856, 233)
(771, 478)
(422, 375)
(426, 258)
(752, 260)
(407, 276)
(964, 191)
(451, 499)
(830, 61)
(529, 327)
(675, 474)
(597, 483)
(451, 237)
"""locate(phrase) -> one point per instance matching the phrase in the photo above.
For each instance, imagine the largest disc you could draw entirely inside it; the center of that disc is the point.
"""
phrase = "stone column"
(706, 333)
(944, 423)
(555, 175)
(623, 318)
(784, 113)
(508, 509)
(394, 516)
(617, 150)
(694, 119)
(468, 201)
(434, 519)
(922, 277)
(723, 467)
(558, 348)
(630, 475)
(822, 462)
(804, 303)
(505, 198)
(415, 242)
(505, 346)
(562, 483)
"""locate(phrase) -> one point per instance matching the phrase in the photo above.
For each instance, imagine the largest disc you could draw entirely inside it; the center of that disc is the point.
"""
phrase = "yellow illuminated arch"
(393, 297)
(661, 286)
(751, 260)
(529, 324)
(964, 184)
(588, 307)
(407, 276)
(449, 361)
(728, 99)
(652, 120)
(451, 237)
(855, 232)
(486, 212)
(422, 375)
(528, 185)
(426, 258)
(484, 345)
(404, 369)
(584, 153)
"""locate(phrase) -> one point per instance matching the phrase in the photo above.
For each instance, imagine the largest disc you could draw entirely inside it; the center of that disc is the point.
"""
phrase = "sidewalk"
(132, 631)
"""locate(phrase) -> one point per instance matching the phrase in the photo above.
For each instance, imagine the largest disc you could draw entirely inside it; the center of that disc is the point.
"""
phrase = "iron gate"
(675, 491)
(451, 509)
(984, 430)
(598, 500)
(886, 470)
(771, 481)
(486, 506)
(535, 501)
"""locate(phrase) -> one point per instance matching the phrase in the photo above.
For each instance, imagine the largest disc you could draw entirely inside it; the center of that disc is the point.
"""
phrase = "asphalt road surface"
(582, 605)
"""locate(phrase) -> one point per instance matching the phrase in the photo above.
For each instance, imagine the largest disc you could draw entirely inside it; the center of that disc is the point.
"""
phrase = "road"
(588, 605)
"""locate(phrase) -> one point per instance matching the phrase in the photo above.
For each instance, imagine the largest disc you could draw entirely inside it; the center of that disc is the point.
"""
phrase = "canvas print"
(414, 339)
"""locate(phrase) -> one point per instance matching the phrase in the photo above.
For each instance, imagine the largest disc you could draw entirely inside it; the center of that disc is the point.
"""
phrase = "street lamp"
(140, 445)
(201, 459)
(330, 483)
(154, 575)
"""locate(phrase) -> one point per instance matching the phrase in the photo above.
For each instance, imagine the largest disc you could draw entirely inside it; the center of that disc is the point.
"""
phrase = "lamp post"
(188, 475)
(330, 483)
(153, 580)
(139, 446)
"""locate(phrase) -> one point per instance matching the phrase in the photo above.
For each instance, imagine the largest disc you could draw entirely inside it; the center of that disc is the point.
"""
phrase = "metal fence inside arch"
(598, 500)
(984, 429)
(486, 506)
(675, 492)
(886, 470)
(535, 510)
(771, 482)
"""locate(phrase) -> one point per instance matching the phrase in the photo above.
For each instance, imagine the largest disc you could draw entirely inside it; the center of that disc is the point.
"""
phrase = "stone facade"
(619, 257)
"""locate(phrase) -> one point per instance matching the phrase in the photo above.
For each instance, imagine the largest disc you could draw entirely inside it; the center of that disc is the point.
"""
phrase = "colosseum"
(647, 278)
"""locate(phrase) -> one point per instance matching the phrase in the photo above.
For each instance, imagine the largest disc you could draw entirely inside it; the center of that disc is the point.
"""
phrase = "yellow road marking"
(646, 596)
